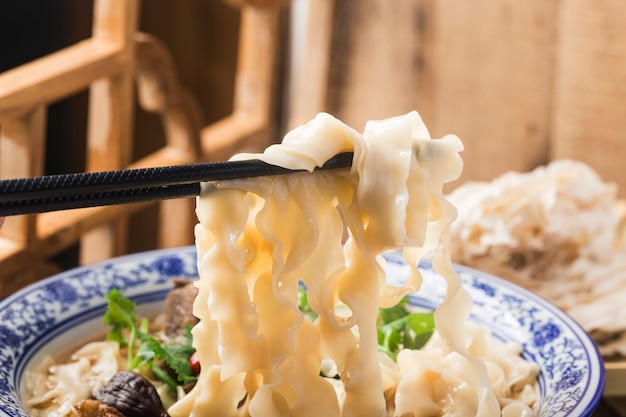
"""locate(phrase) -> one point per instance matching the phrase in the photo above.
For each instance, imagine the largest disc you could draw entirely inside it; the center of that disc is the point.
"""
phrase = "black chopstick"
(109, 198)
(69, 191)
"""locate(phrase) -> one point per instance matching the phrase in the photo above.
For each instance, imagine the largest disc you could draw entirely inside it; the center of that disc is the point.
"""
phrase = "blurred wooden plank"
(107, 63)
(110, 124)
(35, 272)
(56, 76)
(116, 21)
(377, 62)
(202, 37)
(22, 143)
(60, 229)
(159, 91)
(255, 95)
(590, 95)
(493, 77)
(111, 106)
(310, 39)
(482, 70)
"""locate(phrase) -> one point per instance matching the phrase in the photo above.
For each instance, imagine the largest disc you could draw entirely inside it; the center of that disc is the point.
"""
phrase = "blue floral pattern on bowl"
(34, 315)
(572, 373)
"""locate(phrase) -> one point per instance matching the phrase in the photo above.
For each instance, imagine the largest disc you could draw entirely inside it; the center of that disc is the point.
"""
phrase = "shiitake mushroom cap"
(132, 394)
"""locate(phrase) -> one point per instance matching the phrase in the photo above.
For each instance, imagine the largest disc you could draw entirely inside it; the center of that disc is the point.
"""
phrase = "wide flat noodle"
(258, 238)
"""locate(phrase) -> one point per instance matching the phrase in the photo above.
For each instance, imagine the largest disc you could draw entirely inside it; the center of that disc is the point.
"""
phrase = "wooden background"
(202, 38)
(521, 82)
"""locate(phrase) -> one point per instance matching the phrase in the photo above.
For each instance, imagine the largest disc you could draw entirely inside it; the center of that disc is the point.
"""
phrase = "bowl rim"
(189, 252)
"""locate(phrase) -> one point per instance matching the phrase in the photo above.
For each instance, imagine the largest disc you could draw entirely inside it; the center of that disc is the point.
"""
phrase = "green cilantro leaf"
(174, 355)
(387, 315)
(120, 313)
(422, 326)
(145, 350)
(303, 303)
(122, 316)
(398, 328)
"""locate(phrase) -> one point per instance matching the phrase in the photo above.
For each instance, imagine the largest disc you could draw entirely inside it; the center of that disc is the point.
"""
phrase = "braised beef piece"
(94, 408)
(178, 307)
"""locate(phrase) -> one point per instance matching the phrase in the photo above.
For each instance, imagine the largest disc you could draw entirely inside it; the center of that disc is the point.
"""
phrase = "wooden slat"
(116, 22)
(590, 96)
(494, 69)
(236, 132)
(106, 64)
(482, 70)
(254, 85)
(161, 93)
(256, 61)
(378, 59)
(111, 105)
(111, 110)
(22, 143)
(56, 76)
(58, 230)
(311, 33)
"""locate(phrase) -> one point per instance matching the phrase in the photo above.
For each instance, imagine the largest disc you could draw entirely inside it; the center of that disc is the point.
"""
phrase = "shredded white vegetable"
(554, 230)
(55, 388)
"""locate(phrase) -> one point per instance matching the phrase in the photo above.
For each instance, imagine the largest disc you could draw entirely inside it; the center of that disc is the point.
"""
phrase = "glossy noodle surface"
(258, 239)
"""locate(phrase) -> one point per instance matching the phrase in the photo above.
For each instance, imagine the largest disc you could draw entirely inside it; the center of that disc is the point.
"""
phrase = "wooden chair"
(532, 82)
(111, 63)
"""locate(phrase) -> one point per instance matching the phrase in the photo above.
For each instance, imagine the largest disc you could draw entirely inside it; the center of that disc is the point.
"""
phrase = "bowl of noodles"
(62, 312)
(320, 292)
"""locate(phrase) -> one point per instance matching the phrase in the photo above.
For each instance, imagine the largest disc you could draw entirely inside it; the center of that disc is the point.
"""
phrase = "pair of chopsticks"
(71, 191)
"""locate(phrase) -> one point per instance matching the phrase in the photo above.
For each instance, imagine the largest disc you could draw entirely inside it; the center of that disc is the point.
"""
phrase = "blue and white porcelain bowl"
(57, 313)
